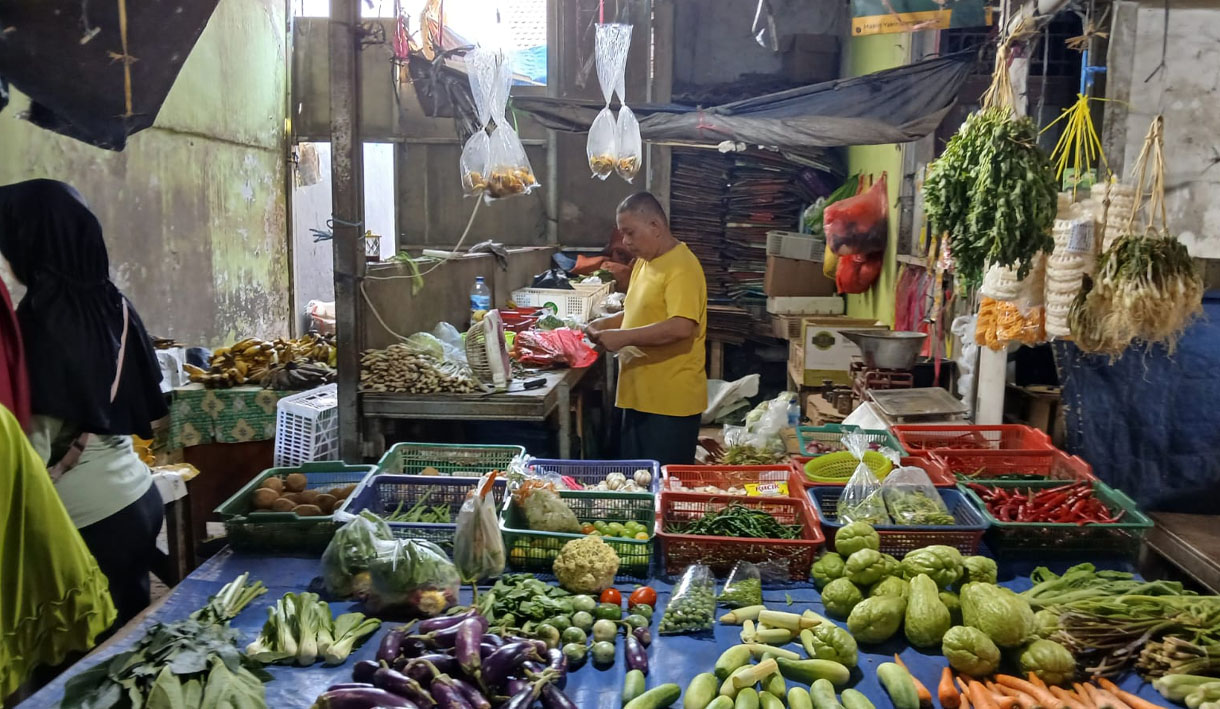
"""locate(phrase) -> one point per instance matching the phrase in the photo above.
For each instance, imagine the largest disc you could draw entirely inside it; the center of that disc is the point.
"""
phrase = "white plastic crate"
(307, 427)
(577, 303)
(789, 244)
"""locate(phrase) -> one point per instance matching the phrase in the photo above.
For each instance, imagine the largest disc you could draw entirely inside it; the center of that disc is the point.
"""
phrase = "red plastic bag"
(859, 225)
(553, 348)
(857, 273)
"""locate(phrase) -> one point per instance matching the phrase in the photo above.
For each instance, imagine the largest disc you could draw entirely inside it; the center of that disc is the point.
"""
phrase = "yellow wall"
(865, 55)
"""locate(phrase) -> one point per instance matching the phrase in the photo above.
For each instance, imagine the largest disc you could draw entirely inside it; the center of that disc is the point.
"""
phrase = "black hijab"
(72, 315)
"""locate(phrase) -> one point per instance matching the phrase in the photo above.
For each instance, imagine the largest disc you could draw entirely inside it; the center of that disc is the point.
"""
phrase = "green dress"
(56, 600)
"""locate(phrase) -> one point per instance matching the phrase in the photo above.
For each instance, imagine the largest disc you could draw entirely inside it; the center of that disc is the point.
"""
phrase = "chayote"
(827, 568)
(1004, 616)
(865, 567)
(979, 569)
(970, 651)
(954, 604)
(927, 618)
(830, 642)
(1052, 662)
(853, 537)
(891, 586)
(1046, 622)
(943, 564)
(840, 597)
(876, 619)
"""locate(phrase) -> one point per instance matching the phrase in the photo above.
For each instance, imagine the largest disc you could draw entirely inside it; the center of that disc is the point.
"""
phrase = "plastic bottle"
(480, 300)
(794, 411)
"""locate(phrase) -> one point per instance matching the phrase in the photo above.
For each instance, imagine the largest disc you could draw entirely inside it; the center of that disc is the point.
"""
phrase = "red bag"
(554, 348)
(859, 225)
(857, 273)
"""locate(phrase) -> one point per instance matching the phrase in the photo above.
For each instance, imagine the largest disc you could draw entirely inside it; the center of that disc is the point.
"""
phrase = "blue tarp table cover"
(674, 658)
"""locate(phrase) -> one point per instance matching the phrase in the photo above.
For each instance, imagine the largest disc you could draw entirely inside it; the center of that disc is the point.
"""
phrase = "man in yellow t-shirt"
(662, 393)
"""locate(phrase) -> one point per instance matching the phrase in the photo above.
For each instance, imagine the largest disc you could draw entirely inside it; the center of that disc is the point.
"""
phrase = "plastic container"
(455, 459)
(1123, 538)
(576, 303)
(383, 494)
(259, 531)
(1013, 465)
(534, 552)
(480, 299)
(896, 540)
(307, 427)
(960, 437)
(591, 472)
(831, 435)
(688, 478)
(720, 553)
(840, 465)
(935, 469)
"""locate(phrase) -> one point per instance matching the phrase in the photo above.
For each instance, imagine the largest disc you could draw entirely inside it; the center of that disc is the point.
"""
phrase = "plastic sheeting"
(892, 106)
(1148, 423)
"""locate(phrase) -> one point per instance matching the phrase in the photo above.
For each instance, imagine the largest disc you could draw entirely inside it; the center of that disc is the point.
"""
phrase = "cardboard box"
(822, 353)
(788, 277)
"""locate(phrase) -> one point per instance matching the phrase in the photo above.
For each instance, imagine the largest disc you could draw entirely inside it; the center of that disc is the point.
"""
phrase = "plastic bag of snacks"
(912, 499)
(602, 146)
(743, 587)
(692, 606)
(508, 168)
(478, 548)
(482, 71)
(630, 146)
(861, 500)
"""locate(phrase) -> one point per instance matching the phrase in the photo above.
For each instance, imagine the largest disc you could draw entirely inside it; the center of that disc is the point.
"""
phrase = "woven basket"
(843, 463)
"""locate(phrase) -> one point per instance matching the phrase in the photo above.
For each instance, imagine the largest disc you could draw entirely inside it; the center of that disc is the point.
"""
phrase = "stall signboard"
(894, 16)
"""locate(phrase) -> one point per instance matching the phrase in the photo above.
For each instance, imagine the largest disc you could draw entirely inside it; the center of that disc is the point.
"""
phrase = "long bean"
(737, 520)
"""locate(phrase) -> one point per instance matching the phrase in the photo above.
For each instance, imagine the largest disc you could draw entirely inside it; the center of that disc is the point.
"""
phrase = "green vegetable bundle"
(300, 629)
(737, 520)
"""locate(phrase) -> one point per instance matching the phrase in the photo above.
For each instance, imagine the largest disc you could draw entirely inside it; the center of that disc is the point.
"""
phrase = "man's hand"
(613, 340)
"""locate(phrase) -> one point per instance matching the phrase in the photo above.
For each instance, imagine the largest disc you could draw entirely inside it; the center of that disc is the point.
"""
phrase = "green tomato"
(604, 631)
(600, 525)
(582, 620)
(575, 652)
(583, 603)
(547, 633)
(608, 611)
(603, 653)
(574, 635)
(635, 620)
(561, 622)
(643, 609)
(616, 530)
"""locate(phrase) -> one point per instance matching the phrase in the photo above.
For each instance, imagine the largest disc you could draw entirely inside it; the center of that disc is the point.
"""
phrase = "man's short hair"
(644, 204)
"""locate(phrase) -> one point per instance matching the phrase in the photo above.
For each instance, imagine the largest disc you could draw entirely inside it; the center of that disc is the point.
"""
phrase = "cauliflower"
(586, 565)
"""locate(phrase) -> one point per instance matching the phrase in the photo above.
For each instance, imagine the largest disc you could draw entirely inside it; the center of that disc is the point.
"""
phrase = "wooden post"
(347, 210)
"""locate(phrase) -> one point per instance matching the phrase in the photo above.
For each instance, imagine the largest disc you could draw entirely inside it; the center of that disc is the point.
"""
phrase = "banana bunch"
(298, 375)
(275, 364)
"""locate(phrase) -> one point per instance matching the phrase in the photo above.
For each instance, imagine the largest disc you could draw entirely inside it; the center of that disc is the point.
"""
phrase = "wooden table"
(1189, 542)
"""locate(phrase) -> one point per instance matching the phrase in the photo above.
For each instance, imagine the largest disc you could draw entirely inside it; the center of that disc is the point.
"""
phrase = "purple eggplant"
(525, 698)
(474, 696)
(391, 643)
(558, 662)
(425, 668)
(554, 698)
(413, 647)
(402, 685)
(448, 621)
(447, 694)
(348, 685)
(493, 639)
(515, 686)
(485, 649)
(637, 656)
(501, 664)
(541, 646)
(363, 698)
(644, 635)
(466, 646)
(362, 671)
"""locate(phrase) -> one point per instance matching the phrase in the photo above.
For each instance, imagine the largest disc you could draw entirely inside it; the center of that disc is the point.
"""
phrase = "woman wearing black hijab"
(94, 380)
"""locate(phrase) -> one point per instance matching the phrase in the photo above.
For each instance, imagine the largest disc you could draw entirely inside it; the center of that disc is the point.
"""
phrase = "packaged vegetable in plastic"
(412, 577)
(508, 168)
(482, 71)
(602, 144)
(859, 225)
(544, 510)
(346, 561)
(630, 147)
(610, 51)
(478, 548)
(912, 499)
(692, 604)
(743, 587)
(861, 500)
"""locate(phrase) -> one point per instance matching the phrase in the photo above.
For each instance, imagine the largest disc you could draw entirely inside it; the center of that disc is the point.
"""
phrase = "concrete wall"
(194, 209)
(1184, 89)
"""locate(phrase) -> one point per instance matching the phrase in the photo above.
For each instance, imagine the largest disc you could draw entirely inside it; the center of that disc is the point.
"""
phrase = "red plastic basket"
(720, 553)
(687, 478)
(919, 439)
(936, 470)
(1013, 465)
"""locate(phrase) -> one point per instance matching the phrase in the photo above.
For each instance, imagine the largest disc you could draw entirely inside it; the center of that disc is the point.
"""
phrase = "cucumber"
(798, 698)
(730, 660)
(899, 685)
(701, 691)
(721, 703)
(747, 698)
(658, 697)
(853, 699)
(633, 685)
(728, 689)
(823, 695)
(775, 685)
(766, 700)
(810, 671)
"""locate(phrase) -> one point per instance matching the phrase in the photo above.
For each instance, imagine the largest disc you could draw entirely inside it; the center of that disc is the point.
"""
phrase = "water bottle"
(794, 411)
(480, 300)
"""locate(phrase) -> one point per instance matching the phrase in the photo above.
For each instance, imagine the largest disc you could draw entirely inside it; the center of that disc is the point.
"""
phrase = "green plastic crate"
(285, 532)
(535, 552)
(1122, 538)
(833, 434)
(457, 459)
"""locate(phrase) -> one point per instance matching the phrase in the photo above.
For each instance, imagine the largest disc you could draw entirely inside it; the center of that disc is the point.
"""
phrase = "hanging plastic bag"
(692, 606)
(481, 70)
(412, 577)
(912, 499)
(508, 167)
(743, 587)
(860, 224)
(856, 273)
(612, 42)
(861, 500)
(478, 548)
(630, 146)
(602, 144)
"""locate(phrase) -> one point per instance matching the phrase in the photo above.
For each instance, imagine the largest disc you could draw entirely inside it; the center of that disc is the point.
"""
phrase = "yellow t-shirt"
(670, 379)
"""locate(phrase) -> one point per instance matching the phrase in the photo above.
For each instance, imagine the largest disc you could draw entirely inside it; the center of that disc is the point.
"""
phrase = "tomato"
(587, 528)
(642, 596)
(611, 595)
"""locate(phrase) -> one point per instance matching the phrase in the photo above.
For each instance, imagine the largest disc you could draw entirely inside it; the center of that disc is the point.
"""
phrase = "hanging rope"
(126, 58)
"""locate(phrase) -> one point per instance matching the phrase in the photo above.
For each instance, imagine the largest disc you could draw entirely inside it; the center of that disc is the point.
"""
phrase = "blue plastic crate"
(382, 495)
(965, 536)
(591, 472)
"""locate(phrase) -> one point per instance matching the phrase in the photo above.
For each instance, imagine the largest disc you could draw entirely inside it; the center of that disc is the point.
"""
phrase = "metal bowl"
(885, 349)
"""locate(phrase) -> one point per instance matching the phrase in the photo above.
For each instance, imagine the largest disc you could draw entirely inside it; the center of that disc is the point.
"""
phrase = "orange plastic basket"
(689, 478)
(1013, 465)
(918, 439)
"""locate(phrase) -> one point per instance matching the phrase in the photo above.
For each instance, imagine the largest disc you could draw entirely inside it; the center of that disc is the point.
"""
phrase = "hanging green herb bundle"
(1146, 286)
(993, 190)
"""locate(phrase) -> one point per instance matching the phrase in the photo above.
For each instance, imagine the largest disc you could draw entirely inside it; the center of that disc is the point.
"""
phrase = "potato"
(307, 511)
(283, 504)
(429, 471)
(307, 497)
(264, 498)
(327, 503)
(273, 483)
(344, 492)
(296, 482)
(293, 497)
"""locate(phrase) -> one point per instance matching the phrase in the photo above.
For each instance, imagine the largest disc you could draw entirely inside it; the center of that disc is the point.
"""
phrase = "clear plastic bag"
(602, 145)
(412, 577)
(912, 499)
(630, 149)
(509, 169)
(478, 548)
(692, 605)
(861, 500)
(743, 587)
(544, 509)
(346, 561)
(481, 68)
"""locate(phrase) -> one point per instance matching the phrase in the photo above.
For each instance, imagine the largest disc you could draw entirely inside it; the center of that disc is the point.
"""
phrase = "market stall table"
(672, 658)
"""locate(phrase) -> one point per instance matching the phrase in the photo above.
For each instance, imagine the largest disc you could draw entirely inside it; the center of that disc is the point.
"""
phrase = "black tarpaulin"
(97, 70)
(892, 106)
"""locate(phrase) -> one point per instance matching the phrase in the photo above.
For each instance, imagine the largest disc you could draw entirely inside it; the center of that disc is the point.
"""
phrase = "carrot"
(1023, 700)
(1114, 701)
(1088, 698)
(949, 698)
(1130, 699)
(1040, 694)
(964, 699)
(1068, 698)
(1036, 680)
(980, 696)
(925, 697)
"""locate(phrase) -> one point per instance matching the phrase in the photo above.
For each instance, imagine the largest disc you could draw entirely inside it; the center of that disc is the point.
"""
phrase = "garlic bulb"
(615, 481)
(642, 477)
